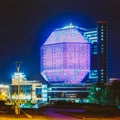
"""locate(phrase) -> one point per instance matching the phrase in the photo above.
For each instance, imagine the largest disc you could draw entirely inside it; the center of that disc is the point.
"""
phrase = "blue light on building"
(66, 83)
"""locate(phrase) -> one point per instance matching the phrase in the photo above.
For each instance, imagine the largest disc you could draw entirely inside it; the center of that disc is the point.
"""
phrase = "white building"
(27, 90)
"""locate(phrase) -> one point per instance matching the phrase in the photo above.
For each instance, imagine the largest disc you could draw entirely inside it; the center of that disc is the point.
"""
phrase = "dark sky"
(25, 24)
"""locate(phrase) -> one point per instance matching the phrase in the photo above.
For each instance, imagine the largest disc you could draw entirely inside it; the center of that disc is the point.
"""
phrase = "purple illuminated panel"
(65, 57)
(65, 35)
(77, 56)
(53, 57)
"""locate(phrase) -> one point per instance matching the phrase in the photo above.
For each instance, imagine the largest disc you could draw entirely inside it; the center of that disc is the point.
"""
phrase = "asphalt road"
(49, 114)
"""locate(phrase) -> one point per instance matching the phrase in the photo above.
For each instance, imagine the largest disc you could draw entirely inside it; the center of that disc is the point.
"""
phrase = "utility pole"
(18, 71)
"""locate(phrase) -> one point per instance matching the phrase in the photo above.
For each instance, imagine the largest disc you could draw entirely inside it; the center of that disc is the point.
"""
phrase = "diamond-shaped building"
(65, 56)
(72, 58)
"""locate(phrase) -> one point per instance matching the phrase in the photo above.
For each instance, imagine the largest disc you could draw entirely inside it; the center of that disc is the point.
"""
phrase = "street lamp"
(18, 70)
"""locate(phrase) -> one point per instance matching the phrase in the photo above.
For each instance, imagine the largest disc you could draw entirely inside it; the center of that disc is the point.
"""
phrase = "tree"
(94, 95)
(115, 91)
(100, 94)
(106, 97)
(105, 94)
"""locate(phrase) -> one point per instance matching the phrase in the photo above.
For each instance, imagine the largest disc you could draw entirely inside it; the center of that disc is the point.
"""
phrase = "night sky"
(26, 24)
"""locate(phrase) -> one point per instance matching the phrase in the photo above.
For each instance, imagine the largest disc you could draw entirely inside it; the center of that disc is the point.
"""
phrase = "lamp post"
(18, 71)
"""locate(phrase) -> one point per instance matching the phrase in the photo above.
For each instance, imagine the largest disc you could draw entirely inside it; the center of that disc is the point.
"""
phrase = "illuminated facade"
(73, 58)
(98, 38)
(74, 55)
(30, 90)
(65, 56)
(68, 92)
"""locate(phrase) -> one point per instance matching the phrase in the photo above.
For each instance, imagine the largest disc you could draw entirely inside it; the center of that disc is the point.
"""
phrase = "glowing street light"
(18, 70)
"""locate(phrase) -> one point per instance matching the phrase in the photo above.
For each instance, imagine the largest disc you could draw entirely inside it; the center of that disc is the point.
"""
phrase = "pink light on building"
(65, 56)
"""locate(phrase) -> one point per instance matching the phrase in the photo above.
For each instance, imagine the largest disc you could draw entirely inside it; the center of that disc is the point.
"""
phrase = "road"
(53, 118)
(48, 114)
(51, 114)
